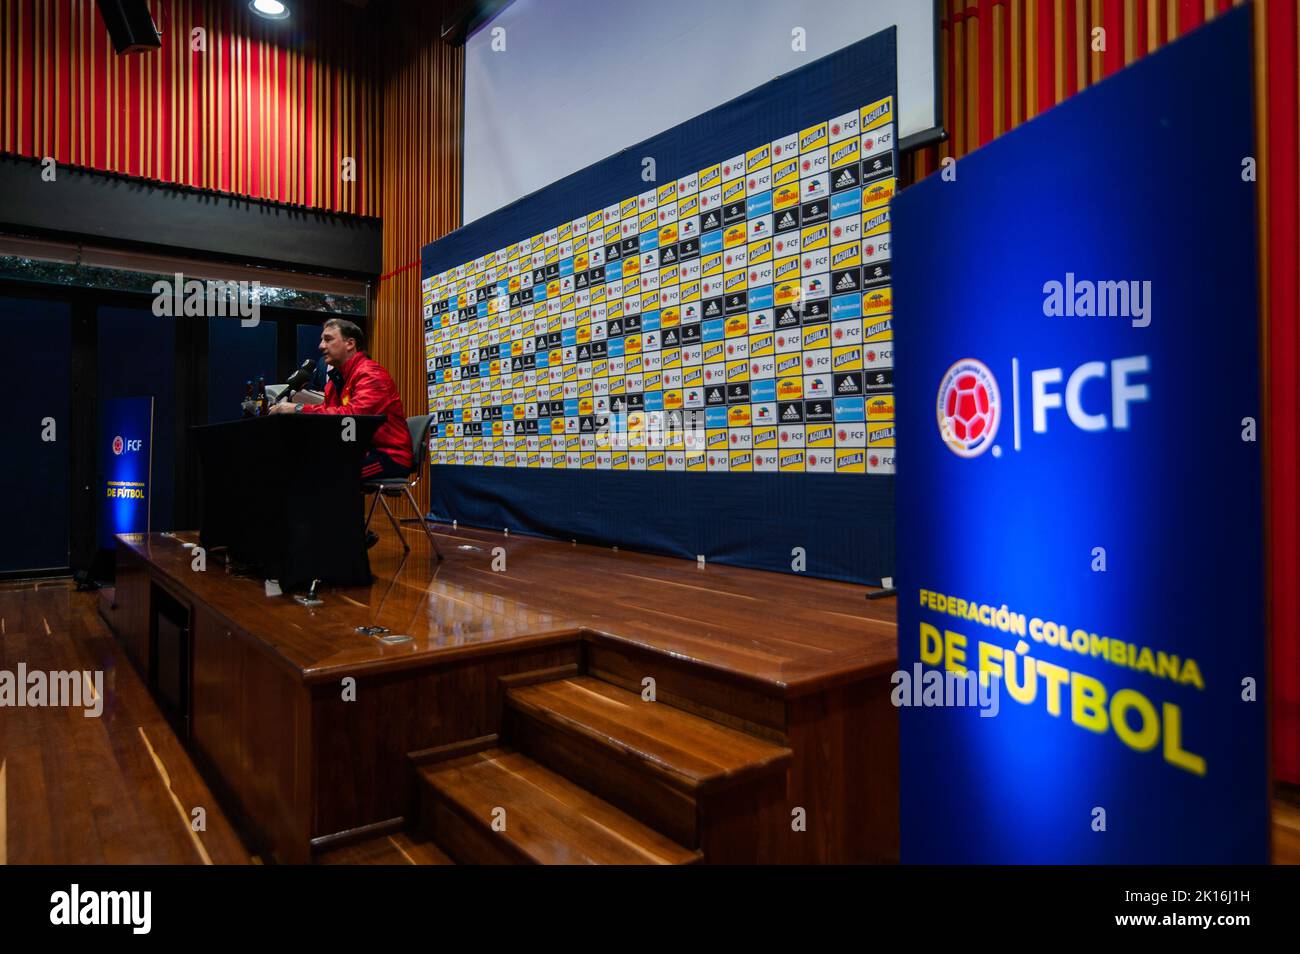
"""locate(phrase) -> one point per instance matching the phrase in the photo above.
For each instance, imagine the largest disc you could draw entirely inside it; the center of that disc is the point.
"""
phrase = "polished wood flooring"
(122, 789)
(117, 789)
(798, 633)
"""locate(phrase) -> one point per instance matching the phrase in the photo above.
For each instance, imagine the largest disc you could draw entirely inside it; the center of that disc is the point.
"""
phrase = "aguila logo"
(968, 408)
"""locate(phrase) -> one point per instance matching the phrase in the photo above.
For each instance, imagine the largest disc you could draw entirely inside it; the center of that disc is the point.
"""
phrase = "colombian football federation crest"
(968, 408)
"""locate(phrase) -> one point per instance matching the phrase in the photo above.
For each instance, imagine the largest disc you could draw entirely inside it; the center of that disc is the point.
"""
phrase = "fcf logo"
(117, 445)
(120, 445)
(968, 408)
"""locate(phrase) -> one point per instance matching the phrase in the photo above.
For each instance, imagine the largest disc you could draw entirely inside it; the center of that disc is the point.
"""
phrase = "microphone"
(297, 379)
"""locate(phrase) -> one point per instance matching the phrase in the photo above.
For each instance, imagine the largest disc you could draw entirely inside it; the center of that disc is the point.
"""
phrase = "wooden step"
(548, 819)
(656, 762)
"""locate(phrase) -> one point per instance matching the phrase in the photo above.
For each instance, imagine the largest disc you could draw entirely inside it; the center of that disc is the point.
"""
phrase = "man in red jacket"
(359, 385)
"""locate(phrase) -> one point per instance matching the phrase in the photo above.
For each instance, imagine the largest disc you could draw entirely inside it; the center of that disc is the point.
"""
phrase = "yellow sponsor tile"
(878, 193)
(814, 137)
(877, 114)
(789, 389)
(791, 460)
(850, 461)
(877, 301)
(880, 407)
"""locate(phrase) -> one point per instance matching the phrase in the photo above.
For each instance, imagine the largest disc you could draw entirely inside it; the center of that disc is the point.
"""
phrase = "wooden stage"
(121, 789)
(520, 699)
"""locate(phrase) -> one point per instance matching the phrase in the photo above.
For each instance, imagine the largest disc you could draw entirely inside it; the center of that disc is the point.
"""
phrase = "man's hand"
(283, 408)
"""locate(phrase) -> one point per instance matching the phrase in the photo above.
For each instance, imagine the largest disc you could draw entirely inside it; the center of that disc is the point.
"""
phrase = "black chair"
(396, 487)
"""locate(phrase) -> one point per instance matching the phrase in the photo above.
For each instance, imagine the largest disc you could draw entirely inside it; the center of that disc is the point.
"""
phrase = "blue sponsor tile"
(760, 297)
(846, 306)
(846, 203)
(757, 205)
(850, 409)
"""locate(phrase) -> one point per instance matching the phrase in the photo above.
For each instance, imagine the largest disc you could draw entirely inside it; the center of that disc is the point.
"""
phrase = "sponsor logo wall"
(736, 319)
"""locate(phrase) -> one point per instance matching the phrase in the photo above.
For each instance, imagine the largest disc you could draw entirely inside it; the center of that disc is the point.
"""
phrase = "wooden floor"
(122, 789)
(118, 789)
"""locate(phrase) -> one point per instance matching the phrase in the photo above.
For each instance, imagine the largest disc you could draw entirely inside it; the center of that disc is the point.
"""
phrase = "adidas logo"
(791, 414)
(848, 386)
(846, 283)
(786, 221)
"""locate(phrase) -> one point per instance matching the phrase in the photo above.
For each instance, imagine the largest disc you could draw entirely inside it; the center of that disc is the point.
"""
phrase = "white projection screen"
(552, 86)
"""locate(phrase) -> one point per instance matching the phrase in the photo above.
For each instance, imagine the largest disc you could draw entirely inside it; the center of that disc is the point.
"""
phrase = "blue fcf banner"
(125, 432)
(1081, 628)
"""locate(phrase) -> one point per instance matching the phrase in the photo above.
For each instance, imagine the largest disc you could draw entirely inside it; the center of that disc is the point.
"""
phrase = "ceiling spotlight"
(270, 9)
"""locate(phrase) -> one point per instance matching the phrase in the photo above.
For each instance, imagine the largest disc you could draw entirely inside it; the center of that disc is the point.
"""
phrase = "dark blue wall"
(235, 355)
(35, 518)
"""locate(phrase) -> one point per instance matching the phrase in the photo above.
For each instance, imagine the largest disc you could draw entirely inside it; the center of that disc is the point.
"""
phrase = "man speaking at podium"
(359, 385)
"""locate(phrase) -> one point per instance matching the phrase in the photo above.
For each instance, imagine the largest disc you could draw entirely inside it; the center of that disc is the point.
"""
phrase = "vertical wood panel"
(419, 198)
(206, 120)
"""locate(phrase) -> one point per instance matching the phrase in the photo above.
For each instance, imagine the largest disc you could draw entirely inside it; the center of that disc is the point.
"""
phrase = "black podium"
(283, 493)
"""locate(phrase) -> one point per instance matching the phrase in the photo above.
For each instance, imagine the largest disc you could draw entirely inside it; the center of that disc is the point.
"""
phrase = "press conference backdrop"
(687, 347)
(1079, 498)
(632, 70)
